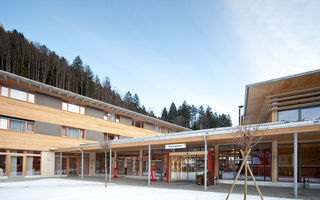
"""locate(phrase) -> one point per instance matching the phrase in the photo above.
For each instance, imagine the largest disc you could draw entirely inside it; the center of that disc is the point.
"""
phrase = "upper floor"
(23, 98)
(287, 99)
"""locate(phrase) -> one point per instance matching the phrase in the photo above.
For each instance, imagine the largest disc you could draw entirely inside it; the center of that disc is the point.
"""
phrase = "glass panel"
(288, 116)
(166, 130)
(82, 110)
(100, 163)
(111, 117)
(226, 162)
(30, 127)
(64, 131)
(105, 116)
(64, 105)
(285, 156)
(3, 123)
(118, 118)
(17, 125)
(33, 166)
(158, 129)
(16, 166)
(310, 162)
(261, 161)
(73, 108)
(312, 113)
(18, 94)
(81, 133)
(31, 97)
(137, 123)
(73, 132)
(73, 166)
(4, 91)
(3, 165)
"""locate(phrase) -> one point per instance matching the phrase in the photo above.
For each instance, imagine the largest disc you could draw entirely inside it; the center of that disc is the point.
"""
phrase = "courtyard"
(131, 188)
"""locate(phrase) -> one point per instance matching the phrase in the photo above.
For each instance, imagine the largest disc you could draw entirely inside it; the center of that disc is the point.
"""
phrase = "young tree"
(246, 137)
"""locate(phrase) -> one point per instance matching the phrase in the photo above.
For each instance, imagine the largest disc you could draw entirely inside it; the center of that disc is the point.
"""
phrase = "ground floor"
(270, 162)
(132, 188)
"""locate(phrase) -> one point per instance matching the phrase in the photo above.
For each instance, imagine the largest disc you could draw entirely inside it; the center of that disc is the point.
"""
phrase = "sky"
(201, 51)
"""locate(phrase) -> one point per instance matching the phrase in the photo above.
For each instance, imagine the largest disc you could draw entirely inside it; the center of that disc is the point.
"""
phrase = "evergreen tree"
(172, 112)
(164, 114)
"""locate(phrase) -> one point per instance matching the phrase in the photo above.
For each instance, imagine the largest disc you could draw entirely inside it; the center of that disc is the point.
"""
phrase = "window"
(72, 107)
(72, 132)
(111, 117)
(30, 126)
(288, 116)
(301, 114)
(17, 93)
(118, 118)
(17, 125)
(137, 124)
(157, 128)
(311, 113)
(4, 91)
(166, 130)
(3, 123)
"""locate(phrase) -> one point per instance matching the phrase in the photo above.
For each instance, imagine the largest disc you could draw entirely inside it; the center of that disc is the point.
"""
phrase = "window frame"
(79, 105)
(67, 132)
(28, 91)
(25, 121)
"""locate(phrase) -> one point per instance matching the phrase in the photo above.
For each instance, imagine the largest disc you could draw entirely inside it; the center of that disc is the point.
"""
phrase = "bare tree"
(246, 137)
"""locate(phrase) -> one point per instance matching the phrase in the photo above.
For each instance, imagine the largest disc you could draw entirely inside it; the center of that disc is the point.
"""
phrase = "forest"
(36, 61)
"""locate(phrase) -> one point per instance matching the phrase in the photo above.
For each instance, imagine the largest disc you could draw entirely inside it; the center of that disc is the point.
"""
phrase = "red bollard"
(153, 175)
(115, 173)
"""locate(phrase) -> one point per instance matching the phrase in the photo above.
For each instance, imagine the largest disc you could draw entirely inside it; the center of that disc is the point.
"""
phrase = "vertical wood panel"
(274, 161)
(216, 160)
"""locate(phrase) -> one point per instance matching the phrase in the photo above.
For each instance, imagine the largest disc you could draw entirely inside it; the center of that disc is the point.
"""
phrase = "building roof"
(257, 93)
(93, 102)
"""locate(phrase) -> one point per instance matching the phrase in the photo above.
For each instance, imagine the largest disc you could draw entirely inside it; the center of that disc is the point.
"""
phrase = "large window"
(308, 162)
(33, 165)
(301, 114)
(16, 124)
(230, 160)
(17, 93)
(72, 107)
(72, 132)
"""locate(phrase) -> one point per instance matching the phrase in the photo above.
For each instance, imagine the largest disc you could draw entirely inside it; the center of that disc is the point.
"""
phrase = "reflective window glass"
(73, 108)
(31, 97)
(18, 94)
(312, 113)
(17, 125)
(111, 117)
(3, 123)
(288, 116)
(64, 106)
(4, 91)
(73, 132)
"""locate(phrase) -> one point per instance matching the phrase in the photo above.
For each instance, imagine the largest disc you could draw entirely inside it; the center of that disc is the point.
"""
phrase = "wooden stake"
(235, 180)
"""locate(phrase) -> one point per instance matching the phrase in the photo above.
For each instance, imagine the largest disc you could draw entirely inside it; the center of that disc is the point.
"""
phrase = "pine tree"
(164, 114)
(173, 113)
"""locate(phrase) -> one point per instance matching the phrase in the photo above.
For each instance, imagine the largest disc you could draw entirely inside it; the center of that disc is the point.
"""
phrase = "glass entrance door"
(186, 168)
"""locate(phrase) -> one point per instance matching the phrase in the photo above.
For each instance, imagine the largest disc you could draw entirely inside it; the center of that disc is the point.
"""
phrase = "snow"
(64, 189)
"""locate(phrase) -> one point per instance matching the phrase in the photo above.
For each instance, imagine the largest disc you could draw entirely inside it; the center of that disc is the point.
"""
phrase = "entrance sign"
(176, 146)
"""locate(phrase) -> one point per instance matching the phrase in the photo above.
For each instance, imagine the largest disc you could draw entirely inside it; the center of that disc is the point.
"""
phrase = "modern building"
(46, 131)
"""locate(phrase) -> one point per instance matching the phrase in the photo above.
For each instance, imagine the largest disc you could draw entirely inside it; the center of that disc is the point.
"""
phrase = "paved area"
(283, 192)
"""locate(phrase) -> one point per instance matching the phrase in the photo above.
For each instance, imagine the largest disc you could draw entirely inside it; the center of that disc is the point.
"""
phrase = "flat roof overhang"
(256, 94)
(280, 130)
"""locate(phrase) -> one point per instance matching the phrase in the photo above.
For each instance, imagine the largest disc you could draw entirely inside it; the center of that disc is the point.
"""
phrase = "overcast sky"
(204, 52)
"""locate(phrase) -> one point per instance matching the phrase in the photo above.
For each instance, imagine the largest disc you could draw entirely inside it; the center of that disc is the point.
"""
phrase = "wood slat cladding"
(289, 100)
(25, 110)
(35, 142)
(261, 95)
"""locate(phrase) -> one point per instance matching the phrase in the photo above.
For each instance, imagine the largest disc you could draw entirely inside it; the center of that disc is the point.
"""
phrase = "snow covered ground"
(63, 189)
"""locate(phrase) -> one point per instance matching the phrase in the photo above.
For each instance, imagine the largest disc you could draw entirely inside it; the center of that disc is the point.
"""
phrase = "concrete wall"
(149, 126)
(50, 101)
(47, 164)
(126, 120)
(47, 128)
(94, 112)
(94, 135)
(92, 164)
